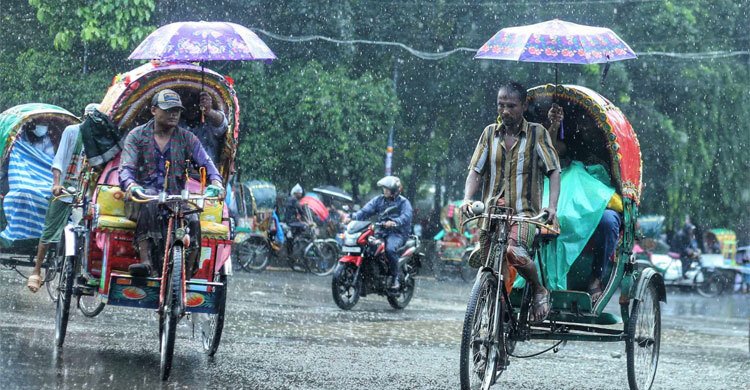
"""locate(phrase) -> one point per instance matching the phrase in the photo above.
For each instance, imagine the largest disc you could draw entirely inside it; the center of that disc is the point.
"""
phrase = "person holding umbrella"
(509, 162)
(209, 124)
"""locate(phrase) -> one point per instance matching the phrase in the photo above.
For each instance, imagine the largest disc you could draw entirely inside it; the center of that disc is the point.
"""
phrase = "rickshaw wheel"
(168, 318)
(253, 255)
(713, 284)
(643, 339)
(322, 257)
(62, 310)
(53, 275)
(478, 360)
(213, 325)
(90, 305)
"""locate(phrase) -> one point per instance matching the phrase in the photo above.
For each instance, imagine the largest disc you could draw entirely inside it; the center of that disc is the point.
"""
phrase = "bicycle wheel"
(712, 284)
(213, 324)
(322, 257)
(643, 339)
(53, 276)
(62, 309)
(297, 261)
(253, 255)
(168, 319)
(479, 347)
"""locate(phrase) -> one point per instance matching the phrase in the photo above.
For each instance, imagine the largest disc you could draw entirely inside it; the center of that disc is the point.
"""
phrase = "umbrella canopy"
(334, 192)
(556, 41)
(202, 41)
(316, 206)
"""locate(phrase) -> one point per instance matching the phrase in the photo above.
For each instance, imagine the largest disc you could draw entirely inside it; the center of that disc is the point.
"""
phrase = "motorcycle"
(363, 268)
(704, 275)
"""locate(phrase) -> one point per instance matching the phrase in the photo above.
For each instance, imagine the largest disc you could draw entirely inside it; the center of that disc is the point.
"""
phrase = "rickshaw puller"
(509, 162)
(146, 150)
(67, 165)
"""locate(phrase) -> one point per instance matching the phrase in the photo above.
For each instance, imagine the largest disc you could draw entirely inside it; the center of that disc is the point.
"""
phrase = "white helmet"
(392, 183)
(297, 189)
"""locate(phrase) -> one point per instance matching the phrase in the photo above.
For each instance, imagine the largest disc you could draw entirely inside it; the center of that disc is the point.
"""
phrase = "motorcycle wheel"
(344, 286)
(404, 296)
(712, 286)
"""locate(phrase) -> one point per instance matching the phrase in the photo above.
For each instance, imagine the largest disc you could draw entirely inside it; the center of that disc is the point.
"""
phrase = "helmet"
(297, 189)
(392, 183)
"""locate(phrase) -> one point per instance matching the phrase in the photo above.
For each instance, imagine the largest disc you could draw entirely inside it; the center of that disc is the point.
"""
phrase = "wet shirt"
(378, 204)
(518, 173)
(143, 163)
(211, 137)
(69, 157)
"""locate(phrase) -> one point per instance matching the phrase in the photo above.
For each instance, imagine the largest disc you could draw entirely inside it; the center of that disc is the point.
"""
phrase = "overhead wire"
(433, 56)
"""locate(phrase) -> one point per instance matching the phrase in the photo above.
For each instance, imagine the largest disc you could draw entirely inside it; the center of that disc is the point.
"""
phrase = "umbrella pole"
(554, 99)
(203, 75)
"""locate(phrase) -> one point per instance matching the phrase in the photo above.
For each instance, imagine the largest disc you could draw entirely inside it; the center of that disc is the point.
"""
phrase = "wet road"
(283, 331)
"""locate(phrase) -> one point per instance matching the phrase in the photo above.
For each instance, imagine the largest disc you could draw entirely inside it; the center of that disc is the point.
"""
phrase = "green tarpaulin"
(583, 198)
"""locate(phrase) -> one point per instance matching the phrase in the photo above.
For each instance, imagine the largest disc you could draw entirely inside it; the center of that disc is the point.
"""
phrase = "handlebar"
(141, 197)
(538, 220)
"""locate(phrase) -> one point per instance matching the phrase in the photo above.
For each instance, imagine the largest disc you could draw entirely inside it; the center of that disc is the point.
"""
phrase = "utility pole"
(389, 147)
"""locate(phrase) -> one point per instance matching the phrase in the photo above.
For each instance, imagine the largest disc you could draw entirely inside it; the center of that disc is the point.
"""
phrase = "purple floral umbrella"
(559, 42)
(202, 41)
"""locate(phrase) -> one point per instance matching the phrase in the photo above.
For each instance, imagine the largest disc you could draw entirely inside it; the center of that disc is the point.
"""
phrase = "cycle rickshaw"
(99, 245)
(25, 182)
(497, 316)
(258, 228)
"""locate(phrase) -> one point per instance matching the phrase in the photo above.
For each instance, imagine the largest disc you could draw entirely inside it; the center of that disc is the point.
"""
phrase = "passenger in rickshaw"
(37, 134)
(510, 161)
(146, 150)
(68, 162)
(209, 123)
(603, 241)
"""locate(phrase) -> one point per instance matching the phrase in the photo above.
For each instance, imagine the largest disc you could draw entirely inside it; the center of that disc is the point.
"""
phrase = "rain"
(645, 258)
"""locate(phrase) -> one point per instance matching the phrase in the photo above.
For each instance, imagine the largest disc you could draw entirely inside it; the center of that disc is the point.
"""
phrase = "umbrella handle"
(562, 130)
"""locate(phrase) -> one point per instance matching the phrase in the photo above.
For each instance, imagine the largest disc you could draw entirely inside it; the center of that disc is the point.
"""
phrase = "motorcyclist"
(398, 225)
(685, 244)
(294, 212)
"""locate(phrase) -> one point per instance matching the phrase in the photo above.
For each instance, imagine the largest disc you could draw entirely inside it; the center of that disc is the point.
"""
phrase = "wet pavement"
(283, 331)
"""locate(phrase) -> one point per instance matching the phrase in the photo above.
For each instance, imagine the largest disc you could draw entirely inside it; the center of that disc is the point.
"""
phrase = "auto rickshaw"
(26, 181)
(99, 246)
(497, 316)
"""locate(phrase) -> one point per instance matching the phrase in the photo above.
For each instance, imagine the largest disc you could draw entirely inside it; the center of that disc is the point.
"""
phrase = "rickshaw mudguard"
(644, 279)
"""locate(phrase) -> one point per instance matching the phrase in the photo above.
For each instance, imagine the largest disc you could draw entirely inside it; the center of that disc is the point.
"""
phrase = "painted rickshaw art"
(26, 179)
(604, 159)
(99, 247)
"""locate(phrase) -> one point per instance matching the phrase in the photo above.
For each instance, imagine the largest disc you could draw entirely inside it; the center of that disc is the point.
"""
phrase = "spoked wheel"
(213, 324)
(90, 305)
(62, 310)
(253, 255)
(643, 339)
(322, 257)
(345, 285)
(168, 318)
(480, 349)
(296, 258)
(52, 276)
(402, 299)
(712, 285)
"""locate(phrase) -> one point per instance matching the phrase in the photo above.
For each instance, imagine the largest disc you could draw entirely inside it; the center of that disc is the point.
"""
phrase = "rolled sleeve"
(547, 153)
(128, 161)
(221, 129)
(481, 153)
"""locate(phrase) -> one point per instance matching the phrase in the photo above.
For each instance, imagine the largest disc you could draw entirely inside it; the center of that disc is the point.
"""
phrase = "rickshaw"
(99, 247)
(25, 183)
(453, 247)
(258, 228)
(497, 316)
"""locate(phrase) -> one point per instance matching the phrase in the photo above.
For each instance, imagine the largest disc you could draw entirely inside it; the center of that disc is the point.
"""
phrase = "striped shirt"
(517, 174)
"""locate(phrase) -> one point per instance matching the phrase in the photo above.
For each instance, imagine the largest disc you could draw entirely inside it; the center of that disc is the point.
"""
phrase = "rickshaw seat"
(214, 230)
(111, 222)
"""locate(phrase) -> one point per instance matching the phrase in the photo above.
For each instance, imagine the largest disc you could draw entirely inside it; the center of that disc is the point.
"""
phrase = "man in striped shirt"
(509, 163)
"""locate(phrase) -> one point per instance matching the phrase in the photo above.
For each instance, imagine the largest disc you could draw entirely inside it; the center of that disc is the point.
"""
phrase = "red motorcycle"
(363, 268)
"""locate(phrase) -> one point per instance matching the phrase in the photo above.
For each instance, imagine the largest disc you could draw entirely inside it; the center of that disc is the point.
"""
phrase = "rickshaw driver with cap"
(146, 150)
(509, 162)
(68, 162)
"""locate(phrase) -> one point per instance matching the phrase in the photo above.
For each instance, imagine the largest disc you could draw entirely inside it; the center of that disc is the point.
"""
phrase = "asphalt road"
(283, 331)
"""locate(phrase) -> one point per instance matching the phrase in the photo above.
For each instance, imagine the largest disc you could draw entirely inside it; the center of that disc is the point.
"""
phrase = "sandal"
(34, 283)
(540, 307)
